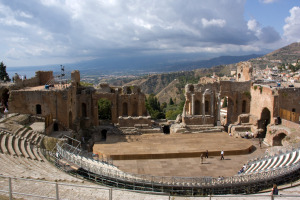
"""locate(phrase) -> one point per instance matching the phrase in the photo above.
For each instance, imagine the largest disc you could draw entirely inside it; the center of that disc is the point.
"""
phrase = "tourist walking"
(274, 191)
(201, 158)
(222, 155)
(206, 154)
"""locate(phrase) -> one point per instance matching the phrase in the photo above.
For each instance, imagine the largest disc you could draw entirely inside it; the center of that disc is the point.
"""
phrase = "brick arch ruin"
(203, 101)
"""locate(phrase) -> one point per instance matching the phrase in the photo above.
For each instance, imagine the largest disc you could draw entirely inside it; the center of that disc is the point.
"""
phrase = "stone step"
(153, 130)
(39, 140)
(19, 131)
(17, 147)
(23, 133)
(3, 143)
(23, 149)
(41, 154)
(9, 144)
(29, 151)
(36, 154)
(28, 135)
(1, 135)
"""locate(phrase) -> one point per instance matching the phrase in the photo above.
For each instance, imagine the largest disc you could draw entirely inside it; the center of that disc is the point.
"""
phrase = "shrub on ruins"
(104, 109)
(3, 74)
(173, 110)
(154, 108)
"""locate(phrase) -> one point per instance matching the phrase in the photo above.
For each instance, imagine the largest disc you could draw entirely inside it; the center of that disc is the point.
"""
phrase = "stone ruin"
(251, 107)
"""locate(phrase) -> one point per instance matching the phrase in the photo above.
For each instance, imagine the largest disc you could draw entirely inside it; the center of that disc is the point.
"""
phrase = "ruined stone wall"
(53, 102)
(262, 97)
(131, 121)
(239, 98)
(44, 76)
(85, 107)
(289, 99)
(244, 71)
(201, 102)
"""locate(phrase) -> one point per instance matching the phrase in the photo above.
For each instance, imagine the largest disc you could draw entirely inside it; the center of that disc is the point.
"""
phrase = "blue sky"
(43, 32)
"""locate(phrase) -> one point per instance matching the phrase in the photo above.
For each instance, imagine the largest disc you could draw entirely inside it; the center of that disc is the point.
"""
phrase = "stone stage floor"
(179, 154)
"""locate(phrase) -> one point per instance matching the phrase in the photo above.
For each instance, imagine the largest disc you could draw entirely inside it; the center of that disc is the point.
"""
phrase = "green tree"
(104, 109)
(3, 74)
(154, 108)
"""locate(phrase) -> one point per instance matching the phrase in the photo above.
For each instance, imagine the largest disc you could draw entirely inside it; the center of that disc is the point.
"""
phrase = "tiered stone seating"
(21, 146)
(3, 143)
(273, 162)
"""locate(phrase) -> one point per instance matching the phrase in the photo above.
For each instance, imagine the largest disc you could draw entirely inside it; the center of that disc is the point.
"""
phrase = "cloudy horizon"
(43, 32)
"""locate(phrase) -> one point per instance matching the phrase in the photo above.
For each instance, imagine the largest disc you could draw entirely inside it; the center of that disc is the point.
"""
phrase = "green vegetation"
(294, 68)
(50, 143)
(85, 84)
(168, 111)
(173, 110)
(104, 109)
(3, 74)
(154, 108)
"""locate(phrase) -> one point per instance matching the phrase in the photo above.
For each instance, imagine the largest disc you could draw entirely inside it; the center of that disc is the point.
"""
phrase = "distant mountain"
(287, 54)
(157, 64)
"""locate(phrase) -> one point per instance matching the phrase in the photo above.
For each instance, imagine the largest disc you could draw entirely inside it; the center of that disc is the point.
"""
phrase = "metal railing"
(111, 175)
(57, 190)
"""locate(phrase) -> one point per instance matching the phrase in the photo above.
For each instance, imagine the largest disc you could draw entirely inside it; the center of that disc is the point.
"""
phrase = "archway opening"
(135, 109)
(244, 104)
(206, 107)
(264, 121)
(277, 140)
(125, 109)
(70, 120)
(55, 126)
(83, 110)
(104, 109)
(103, 134)
(38, 109)
(197, 107)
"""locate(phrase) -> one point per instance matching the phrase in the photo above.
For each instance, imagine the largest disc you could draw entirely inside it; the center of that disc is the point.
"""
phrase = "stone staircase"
(140, 129)
(207, 128)
(21, 146)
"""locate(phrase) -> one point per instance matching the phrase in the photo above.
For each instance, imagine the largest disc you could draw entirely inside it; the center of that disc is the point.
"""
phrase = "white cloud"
(213, 22)
(267, 1)
(73, 29)
(292, 26)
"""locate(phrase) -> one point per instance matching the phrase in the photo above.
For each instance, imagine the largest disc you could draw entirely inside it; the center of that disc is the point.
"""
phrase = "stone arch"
(128, 90)
(191, 88)
(83, 110)
(197, 107)
(239, 76)
(206, 107)
(264, 121)
(55, 126)
(104, 109)
(277, 140)
(38, 109)
(103, 135)
(125, 109)
(135, 109)
(230, 109)
(244, 106)
(70, 119)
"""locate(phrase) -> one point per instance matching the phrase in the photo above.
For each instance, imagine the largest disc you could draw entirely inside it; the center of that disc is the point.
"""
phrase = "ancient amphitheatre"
(132, 152)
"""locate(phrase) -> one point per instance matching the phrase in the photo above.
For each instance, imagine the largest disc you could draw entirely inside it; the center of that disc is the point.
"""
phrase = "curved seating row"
(18, 145)
(273, 162)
